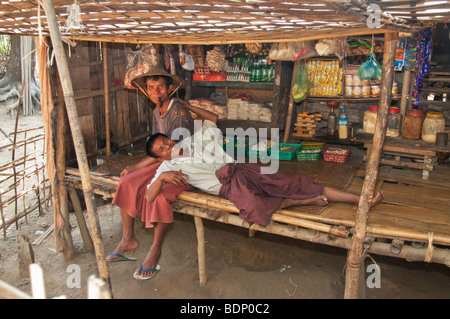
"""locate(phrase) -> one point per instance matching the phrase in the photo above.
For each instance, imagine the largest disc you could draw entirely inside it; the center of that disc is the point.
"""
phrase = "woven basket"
(334, 154)
(309, 154)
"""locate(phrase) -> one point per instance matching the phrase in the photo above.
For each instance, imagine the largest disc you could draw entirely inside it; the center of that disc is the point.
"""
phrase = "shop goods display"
(394, 122)
(326, 77)
(306, 124)
(423, 56)
(209, 105)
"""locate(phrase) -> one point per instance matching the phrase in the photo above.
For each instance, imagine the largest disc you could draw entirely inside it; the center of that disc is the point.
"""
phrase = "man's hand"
(128, 169)
(174, 177)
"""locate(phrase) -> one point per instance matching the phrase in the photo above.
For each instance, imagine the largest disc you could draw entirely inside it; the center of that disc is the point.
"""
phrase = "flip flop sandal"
(139, 277)
(120, 258)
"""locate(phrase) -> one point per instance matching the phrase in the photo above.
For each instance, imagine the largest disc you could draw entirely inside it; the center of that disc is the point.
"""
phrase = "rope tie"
(430, 249)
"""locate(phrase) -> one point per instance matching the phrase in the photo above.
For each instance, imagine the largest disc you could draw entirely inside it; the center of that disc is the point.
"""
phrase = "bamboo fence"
(24, 185)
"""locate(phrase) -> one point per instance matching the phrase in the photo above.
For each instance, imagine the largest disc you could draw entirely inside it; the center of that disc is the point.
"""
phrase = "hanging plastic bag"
(302, 84)
(370, 69)
(139, 62)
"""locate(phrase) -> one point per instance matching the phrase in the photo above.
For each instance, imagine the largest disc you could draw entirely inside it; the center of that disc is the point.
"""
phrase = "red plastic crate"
(334, 154)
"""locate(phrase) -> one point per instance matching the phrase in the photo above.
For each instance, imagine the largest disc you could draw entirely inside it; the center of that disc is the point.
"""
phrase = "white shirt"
(204, 156)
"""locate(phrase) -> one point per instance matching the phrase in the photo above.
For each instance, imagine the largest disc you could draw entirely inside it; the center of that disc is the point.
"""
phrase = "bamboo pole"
(354, 258)
(106, 84)
(77, 136)
(201, 250)
(440, 255)
(287, 129)
(14, 143)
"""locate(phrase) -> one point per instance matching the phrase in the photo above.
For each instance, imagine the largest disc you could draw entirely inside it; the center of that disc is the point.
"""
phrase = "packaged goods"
(326, 77)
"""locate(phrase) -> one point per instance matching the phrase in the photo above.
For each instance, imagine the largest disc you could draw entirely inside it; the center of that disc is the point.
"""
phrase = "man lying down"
(201, 161)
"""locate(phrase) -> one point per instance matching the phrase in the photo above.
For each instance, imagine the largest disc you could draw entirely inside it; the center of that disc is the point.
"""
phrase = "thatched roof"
(224, 21)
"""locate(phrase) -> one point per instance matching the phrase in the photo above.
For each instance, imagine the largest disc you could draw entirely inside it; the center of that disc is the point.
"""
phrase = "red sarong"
(130, 196)
(257, 195)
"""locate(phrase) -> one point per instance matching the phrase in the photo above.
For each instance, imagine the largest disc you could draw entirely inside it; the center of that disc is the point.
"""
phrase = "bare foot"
(377, 199)
(124, 245)
(320, 200)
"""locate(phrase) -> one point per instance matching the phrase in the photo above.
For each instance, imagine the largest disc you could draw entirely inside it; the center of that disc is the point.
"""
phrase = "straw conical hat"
(139, 81)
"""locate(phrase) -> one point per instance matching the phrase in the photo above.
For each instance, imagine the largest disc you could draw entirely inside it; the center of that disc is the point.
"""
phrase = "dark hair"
(151, 141)
(166, 78)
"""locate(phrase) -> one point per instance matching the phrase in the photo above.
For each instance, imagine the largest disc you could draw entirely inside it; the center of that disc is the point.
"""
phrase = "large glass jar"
(394, 122)
(412, 125)
(434, 123)
(370, 118)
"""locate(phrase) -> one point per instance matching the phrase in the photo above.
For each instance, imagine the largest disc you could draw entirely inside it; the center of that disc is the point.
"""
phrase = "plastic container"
(394, 122)
(434, 123)
(370, 118)
(333, 154)
(286, 151)
(309, 153)
(412, 125)
(343, 125)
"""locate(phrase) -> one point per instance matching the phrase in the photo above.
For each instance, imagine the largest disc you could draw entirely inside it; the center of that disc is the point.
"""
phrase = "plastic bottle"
(434, 123)
(343, 124)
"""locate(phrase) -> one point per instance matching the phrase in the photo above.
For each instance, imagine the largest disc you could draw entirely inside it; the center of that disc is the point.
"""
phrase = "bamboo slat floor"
(413, 210)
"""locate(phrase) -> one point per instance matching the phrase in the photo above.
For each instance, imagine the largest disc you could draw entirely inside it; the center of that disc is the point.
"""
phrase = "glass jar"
(434, 123)
(370, 118)
(412, 125)
(394, 122)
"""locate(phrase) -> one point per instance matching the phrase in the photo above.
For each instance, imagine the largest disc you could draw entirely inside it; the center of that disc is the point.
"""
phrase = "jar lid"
(415, 112)
(373, 108)
(435, 114)
(394, 110)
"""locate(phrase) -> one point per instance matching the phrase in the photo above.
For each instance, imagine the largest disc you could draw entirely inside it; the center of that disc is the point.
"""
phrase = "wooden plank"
(25, 254)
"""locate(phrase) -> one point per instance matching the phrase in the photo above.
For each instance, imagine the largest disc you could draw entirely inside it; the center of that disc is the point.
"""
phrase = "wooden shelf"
(235, 84)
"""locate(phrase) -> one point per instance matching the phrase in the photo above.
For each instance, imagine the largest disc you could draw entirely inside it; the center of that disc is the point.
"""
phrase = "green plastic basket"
(285, 151)
(309, 154)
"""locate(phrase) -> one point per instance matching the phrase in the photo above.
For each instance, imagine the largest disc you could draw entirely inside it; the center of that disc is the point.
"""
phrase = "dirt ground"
(238, 267)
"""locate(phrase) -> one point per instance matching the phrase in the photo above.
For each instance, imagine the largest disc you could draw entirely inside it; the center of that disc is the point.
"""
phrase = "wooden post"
(84, 232)
(407, 76)
(200, 250)
(80, 149)
(63, 228)
(354, 258)
(106, 88)
(287, 129)
(26, 255)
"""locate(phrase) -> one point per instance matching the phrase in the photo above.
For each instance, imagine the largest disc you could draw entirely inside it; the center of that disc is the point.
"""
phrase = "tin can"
(375, 90)
(394, 88)
(356, 91)
(348, 90)
(365, 90)
(349, 79)
(356, 80)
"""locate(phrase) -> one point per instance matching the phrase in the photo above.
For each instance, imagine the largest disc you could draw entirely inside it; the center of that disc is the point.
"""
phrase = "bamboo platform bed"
(412, 222)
